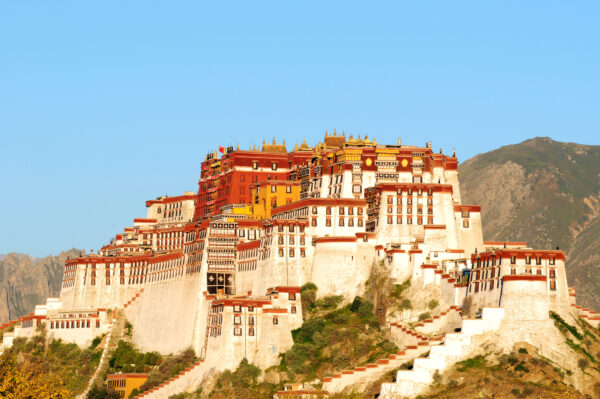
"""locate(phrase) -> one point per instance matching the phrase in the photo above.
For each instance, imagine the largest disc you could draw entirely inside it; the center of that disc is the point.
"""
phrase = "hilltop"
(546, 193)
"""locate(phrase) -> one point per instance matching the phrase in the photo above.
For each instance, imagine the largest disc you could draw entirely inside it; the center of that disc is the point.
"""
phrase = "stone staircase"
(179, 383)
(359, 377)
(117, 325)
(114, 334)
(456, 347)
(588, 315)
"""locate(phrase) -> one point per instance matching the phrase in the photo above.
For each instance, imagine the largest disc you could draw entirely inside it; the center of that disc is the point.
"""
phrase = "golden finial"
(430, 146)
(283, 144)
(237, 147)
(273, 140)
(334, 132)
(264, 142)
(454, 153)
(343, 133)
(325, 133)
(296, 146)
(399, 141)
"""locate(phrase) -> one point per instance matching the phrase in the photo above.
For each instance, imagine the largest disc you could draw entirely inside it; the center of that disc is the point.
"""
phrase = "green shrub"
(433, 304)
(474, 362)
(424, 316)
(405, 304)
(521, 367)
(329, 302)
(523, 350)
(563, 325)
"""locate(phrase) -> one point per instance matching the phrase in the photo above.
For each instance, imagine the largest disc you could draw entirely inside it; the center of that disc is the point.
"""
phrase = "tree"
(24, 381)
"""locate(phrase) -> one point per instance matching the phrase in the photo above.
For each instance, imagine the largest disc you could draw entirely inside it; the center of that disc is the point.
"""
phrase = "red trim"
(275, 311)
(424, 266)
(470, 208)
(144, 220)
(435, 227)
(287, 289)
(335, 239)
(524, 278)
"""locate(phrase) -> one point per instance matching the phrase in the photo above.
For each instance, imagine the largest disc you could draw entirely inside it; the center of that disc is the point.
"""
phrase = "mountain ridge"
(26, 281)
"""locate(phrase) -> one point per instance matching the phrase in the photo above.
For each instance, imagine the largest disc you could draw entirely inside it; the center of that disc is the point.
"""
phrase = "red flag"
(222, 150)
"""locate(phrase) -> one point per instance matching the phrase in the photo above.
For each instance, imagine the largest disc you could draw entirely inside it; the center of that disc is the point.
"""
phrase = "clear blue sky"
(105, 105)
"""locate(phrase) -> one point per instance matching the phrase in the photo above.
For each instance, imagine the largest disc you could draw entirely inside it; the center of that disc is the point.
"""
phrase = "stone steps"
(456, 346)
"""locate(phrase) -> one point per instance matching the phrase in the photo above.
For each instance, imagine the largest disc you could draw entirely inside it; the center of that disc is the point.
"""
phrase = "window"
(275, 320)
(292, 296)
(291, 252)
(328, 210)
(328, 222)
(351, 222)
(360, 222)
(551, 261)
(528, 260)
(302, 252)
(553, 285)
(513, 260)
(399, 220)
(254, 165)
(360, 211)
(280, 240)
(302, 240)
(538, 260)
(409, 220)
(419, 220)
(273, 189)
(274, 166)
(553, 273)
(409, 201)
(356, 189)
(342, 210)
(341, 221)
(288, 189)
(314, 210)
(390, 220)
(251, 320)
(237, 320)
(313, 222)
(390, 209)
(465, 213)
(293, 310)
(281, 252)
(390, 199)
(466, 223)
(251, 331)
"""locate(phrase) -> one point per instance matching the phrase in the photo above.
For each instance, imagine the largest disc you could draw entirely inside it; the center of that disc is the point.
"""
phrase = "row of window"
(341, 222)
(408, 220)
(72, 324)
(292, 252)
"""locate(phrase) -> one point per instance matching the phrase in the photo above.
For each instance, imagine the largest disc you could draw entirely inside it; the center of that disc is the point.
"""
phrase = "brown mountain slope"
(26, 282)
(546, 193)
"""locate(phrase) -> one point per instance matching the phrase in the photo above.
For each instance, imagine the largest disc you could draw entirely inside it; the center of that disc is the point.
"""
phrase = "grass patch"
(563, 325)
(474, 362)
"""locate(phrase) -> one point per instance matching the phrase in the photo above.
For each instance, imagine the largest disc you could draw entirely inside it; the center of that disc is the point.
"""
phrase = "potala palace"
(220, 270)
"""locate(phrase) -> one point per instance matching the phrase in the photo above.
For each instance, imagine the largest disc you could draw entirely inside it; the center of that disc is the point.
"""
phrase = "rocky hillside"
(26, 282)
(546, 193)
